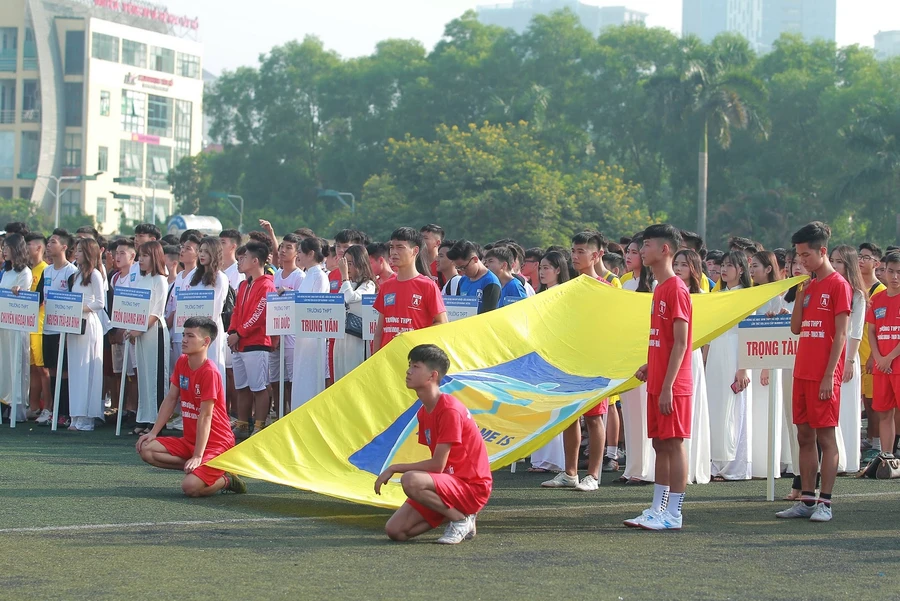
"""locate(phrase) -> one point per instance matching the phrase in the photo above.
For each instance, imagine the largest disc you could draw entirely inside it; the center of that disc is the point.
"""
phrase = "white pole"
(281, 378)
(774, 386)
(58, 387)
(122, 390)
(17, 380)
(57, 200)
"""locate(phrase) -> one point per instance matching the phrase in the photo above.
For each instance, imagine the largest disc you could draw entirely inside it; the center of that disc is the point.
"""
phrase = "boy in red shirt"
(670, 383)
(197, 385)
(455, 484)
(884, 340)
(410, 301)
(820, 318)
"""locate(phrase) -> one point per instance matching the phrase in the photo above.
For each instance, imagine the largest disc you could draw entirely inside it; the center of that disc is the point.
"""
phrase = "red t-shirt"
(884, 314)
(671, 302)
(825, 299)
(408, 305)
(197, 386)
(451, 423)
(334, 281)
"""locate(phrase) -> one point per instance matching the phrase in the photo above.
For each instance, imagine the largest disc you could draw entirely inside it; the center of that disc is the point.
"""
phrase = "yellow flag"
(525, 372)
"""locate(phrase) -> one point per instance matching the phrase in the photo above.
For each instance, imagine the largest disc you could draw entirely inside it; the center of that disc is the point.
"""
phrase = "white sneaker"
(636, 522)
(661, 520)
(45, 418)
(561, 480)
(31, 414)
(587, 484)
(797, 510)
(457, 532)
(822, 513)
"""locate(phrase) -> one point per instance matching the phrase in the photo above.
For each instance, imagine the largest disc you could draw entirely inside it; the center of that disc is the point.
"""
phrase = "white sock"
(675, 501)
(876, 444)
(611, 452)
(660, 497)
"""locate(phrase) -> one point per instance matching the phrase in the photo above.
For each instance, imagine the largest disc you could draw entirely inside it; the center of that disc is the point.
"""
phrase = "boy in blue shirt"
(500, 260)
(477, 279)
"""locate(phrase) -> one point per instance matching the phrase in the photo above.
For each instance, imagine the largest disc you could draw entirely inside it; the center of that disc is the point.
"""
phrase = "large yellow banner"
(525, 372)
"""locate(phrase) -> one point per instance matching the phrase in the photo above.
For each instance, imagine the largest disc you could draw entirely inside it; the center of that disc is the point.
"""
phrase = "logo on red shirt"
(662, 307)
(416, 300)
(197, 390)
(824, 300)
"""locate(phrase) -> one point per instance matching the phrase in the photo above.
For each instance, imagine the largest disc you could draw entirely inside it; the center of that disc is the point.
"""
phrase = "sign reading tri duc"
(766, 342)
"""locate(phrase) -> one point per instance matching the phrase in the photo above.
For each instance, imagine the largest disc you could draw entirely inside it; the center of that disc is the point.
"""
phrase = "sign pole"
(122, 390)
(17, 381)
(281, 379)
(58, 387)
(770, 468)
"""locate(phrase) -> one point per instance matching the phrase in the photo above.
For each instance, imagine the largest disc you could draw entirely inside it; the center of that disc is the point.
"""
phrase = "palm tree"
(710, 92)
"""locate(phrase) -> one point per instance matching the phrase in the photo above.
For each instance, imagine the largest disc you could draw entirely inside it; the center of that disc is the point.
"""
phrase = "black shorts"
(51, 351)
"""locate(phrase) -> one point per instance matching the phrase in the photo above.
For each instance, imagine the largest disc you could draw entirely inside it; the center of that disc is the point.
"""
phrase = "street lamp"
(227, 197)
(57, 180)
(328, 193)
(143, 182)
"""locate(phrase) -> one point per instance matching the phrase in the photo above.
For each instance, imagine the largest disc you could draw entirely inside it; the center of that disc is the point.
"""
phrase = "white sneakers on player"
(457, 532)
(636, 522)
(661, 520)
(561, 480)
(588, 484)
(822, 513)
(798, 510)
(45, 418)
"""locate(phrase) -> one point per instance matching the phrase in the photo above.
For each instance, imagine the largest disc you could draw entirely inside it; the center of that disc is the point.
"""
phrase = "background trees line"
(494, 134)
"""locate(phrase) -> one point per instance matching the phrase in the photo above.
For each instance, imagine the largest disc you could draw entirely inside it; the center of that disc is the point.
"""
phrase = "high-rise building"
(518, 15)
(97, 87)
(887, 44)
(760, 21)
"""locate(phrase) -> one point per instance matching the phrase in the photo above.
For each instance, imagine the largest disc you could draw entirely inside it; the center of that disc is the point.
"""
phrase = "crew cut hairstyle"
(233, 235)
(377, 250)
(149, 229)
(891, 257)
(503, 254)
(88, 229)
(872, 248)
(349, 237)
(431, 357)
(815, 235)
(32, 236)
(207, 326)
(464, 250)
(665, 232)
(433, 228)
(590, 238)
(63, 235)
(407, 234)
(258, 250)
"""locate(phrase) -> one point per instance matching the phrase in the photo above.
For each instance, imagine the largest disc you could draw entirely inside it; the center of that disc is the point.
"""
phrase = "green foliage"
(38, 220)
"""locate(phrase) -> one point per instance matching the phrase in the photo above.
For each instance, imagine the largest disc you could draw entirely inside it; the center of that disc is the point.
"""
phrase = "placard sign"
(320, 315)
(131, 309)
(460, 307)
(63, 312)
(193, 303)
(766, 342)
(19, 312)
(369, 316)
(279, 314)
(509, 300)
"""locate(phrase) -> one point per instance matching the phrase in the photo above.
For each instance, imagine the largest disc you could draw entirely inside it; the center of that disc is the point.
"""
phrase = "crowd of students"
(411, 274)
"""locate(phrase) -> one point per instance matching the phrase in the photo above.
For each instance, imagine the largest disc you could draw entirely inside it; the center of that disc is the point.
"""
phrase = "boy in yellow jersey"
(39, 395)
(869, 260)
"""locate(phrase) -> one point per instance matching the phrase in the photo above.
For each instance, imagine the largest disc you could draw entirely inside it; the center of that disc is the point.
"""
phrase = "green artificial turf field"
(82, 518)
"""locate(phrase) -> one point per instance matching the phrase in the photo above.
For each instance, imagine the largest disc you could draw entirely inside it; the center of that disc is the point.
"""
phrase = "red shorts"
(675, 425)
(887, 392)
(600, 409)
(179, 447)
(455, 493)
(810, 409)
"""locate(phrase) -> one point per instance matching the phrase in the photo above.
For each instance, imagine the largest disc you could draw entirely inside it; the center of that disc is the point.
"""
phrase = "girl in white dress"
(208, 276)
(640, 466)
(14, 367)
(85, 351)
(729, 389)
(310, 356)
(152, 346)
(846, 262)
(687, 266)
(764, 270)
(356, 280)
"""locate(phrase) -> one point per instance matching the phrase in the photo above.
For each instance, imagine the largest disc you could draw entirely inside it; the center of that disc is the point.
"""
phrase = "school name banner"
(192, 303)
(280, 314)
(19, 313)
(63, 312)
(525, 371)
(766, 342)
(460, 307)
(131, 309)
(369, 316)
(320, 315)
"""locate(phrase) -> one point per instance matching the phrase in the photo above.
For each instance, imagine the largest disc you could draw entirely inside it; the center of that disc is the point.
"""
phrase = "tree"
(190, 180)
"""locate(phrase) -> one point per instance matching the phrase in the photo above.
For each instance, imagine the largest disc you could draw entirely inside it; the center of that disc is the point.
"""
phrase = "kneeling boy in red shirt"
(207, 429)
(456, 482)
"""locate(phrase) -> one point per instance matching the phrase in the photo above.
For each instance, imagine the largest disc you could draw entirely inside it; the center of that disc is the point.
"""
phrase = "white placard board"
(63, 312)
(320, 315)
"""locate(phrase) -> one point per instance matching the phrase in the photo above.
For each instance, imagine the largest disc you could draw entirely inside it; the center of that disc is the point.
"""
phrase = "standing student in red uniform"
(410, 301)
(432, 238)
(197, 385)
(669, 377)
(883, 321)
(455, 484)
(820, 317)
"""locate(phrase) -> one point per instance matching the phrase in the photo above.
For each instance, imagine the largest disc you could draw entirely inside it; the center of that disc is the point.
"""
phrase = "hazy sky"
(236, 32)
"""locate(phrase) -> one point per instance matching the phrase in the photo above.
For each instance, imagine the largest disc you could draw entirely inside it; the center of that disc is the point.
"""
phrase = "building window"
(134, 53)
(70, 203)
(131, 159)
(103, 159)
(25, 193)
(105, 47)
(72, 164)
(31, 101)
(159, 159)
(104, 103)
(134, 111)
(74, 52)
(183, 110)
(101, 210)
(162, 59)
(159, 113)
(30, 149)
(74, 92)
(7, 154)
(131, 209)
(188, 65)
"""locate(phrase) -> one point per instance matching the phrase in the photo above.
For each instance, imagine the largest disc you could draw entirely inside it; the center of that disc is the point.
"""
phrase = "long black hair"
(558, 261)
(18, 253)
(739, 260)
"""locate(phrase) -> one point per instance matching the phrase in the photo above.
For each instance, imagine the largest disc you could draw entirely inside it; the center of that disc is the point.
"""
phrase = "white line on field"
(90, 527)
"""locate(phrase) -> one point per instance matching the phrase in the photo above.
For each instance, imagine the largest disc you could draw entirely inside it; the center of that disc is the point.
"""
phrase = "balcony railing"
(8, 59)
(31, 116)
(7, 117)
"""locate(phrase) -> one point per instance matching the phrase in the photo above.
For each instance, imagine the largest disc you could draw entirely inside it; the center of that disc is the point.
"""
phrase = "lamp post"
(143, 182)
(57, 181)
(227, 197)
(328, 193)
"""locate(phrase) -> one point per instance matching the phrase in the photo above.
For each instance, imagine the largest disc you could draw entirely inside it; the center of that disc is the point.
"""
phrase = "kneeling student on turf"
(456, 482)
(207, 429)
